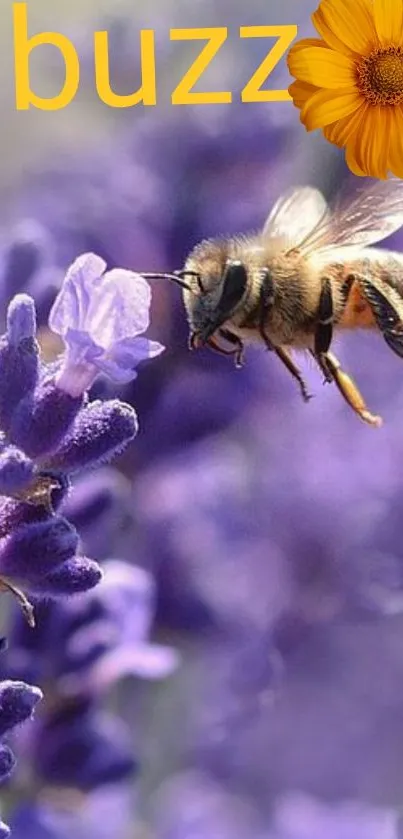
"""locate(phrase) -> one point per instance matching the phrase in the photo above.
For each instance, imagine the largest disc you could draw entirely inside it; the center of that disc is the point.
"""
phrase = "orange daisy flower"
(349, 82)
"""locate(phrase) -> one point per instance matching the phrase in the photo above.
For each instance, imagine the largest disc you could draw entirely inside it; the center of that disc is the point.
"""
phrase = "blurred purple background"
(270, 530)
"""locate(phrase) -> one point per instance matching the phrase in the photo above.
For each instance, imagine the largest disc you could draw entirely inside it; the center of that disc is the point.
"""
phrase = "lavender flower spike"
(101, 317)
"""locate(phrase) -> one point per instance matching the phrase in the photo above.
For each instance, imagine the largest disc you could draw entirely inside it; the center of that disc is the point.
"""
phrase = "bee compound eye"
(234, 286)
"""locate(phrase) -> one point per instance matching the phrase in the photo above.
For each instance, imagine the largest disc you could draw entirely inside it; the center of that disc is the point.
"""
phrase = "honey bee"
(307, 274)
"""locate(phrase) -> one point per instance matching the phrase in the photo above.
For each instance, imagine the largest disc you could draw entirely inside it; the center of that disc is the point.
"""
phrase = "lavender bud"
(100, 509)
(33, 550)
(7, 762)
(15, 513)
(16, 470)
(76, 575)
(21, 319)
(43, 418)
(19, 357)
(17, 702)
(85, 750)
(100, 432)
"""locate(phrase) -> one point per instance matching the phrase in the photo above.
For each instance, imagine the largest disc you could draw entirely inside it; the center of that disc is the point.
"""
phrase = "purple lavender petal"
(120, 309)
(135, 350)
(129, 597)
(87, 644)
(99, 316)
(144, 661)
(109, 306)
(113, 644)
(83, 650)
(83, 343)
(116, 373)
(71, 305)
(120, 363)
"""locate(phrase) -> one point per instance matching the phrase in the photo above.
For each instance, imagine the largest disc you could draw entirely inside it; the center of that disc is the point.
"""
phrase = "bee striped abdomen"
(376, 298)
(358, 313)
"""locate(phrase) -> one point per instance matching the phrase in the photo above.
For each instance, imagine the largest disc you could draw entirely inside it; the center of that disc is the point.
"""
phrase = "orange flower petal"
(352, 162)
(328, 35)
(388, 15)
(322, 67)
(370, 147)
(307, 42)
(381, 142)
(340, 132)
(327, 106)
(300, 92)
(351, 22)
(396, 143)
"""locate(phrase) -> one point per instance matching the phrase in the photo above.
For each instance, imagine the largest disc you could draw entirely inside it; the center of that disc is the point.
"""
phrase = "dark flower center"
(380, 76)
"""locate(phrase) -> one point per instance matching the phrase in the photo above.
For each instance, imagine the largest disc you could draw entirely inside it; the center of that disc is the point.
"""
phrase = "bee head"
(217, 287)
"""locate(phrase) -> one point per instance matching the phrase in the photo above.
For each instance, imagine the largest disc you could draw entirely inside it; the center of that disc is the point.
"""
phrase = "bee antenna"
(174, 278)
(196, 274)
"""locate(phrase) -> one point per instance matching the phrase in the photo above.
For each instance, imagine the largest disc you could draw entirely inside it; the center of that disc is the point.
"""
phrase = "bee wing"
(374, 214)
(296, 216)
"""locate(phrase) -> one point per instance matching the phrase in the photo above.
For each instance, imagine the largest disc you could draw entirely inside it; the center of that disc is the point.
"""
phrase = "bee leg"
(284, 356)
(212, 343)
(266, 304)
(237, 343)
(349, 391)
(295, 372)
(324, 328)
(232, 339)
(320, 360)
(192, 341)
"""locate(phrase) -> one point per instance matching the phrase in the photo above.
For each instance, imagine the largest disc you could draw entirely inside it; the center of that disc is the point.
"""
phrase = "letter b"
(23, 47)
